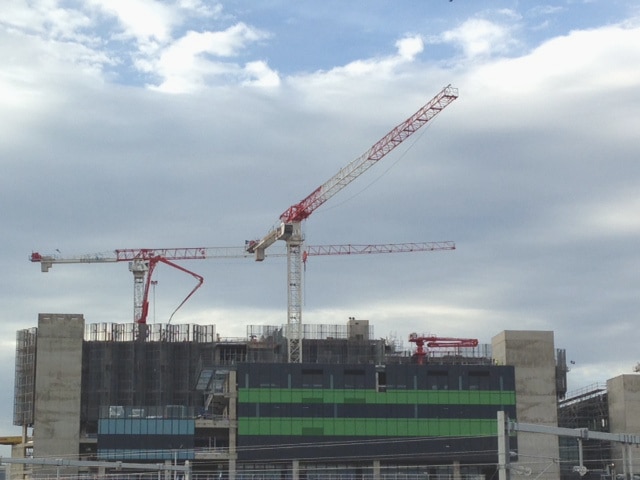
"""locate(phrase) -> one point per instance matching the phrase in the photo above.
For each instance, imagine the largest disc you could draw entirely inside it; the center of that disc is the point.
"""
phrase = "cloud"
(146, 21)
(532, 172)
(409, 47)
(261, 75)
(124, 39)
(192, 61)
(615, 217)
(478, 37)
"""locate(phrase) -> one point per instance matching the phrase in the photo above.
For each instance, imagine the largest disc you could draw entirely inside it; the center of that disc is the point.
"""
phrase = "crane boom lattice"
(142, 262)
(300, 211)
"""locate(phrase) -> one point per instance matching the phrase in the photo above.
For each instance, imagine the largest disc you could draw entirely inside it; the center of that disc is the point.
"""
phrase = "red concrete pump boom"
(432, 341)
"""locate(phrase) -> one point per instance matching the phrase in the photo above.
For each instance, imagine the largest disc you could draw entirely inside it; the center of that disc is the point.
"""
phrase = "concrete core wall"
(532, 353)
(624, 415)
(58, 386)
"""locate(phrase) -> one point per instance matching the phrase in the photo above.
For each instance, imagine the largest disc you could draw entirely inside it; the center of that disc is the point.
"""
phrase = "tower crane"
(432, 341)
(289, 227)
(142, 262)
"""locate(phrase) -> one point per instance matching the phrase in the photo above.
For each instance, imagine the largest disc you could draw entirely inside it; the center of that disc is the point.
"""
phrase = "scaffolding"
(586, 408)
(25, 377)
(479, 355)
(332, 344)
(314, 331)
(157, 332)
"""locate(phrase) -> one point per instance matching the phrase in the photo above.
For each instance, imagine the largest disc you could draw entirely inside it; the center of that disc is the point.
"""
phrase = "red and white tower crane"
(289, 228)
(142, 262)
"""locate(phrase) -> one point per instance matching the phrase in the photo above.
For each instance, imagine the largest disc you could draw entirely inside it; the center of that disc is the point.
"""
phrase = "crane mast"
(290, 228)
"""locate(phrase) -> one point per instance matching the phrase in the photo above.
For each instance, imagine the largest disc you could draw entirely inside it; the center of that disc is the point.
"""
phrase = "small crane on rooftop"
(433, 341)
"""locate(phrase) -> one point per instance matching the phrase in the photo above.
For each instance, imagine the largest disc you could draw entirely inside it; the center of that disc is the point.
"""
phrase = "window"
(438, 380)
(381, 381)
(312, 378)
(354, 379)
(479, 380)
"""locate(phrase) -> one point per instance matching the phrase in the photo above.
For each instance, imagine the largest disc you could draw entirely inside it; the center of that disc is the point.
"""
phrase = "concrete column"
(456, 470)
(295, 470)
(503, 448)
(232, 388)
(623, 397)
(57, 391)
(532, 354)
(376, 470)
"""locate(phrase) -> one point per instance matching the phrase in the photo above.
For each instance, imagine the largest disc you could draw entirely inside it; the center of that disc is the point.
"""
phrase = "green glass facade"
(417, 408)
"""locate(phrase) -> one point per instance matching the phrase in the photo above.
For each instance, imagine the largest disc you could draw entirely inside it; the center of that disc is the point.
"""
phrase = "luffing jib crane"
(142, 262)
(289, 228)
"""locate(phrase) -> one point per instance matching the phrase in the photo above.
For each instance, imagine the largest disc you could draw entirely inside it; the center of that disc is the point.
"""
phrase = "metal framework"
(506, 426)
(142, 262)
(289, 228)
(25, 376)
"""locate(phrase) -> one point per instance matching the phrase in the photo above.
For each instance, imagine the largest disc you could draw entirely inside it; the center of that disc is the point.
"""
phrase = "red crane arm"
(145, 300)
(452, 342)
(433, 341)
(300, 211)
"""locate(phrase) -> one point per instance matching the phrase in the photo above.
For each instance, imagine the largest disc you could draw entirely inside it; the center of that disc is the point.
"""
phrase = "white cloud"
(261, 75)
(409, 47)
(374, 69)
(480, 38)
(521, 172)
(197, 7)
(618, 216)
(145, 20)
(188, 63)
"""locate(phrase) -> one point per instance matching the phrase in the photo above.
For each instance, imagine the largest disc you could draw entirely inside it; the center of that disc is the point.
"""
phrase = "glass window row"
(144, 426)
(401, 377)
(320, 410)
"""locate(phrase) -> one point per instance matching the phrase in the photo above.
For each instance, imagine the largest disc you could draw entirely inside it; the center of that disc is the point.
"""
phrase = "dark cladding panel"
(260, 449)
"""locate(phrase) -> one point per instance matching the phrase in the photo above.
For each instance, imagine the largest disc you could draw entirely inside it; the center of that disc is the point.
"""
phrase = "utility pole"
(504, 470)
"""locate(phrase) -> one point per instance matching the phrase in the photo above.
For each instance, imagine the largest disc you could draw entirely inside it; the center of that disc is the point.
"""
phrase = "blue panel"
(135, 427)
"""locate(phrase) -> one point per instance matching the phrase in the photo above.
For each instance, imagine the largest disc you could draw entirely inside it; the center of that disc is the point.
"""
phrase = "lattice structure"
(586, 408)
(25, 377)
(157, 332)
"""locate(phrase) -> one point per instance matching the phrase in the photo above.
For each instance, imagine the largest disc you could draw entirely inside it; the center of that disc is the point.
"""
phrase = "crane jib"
(302, 210)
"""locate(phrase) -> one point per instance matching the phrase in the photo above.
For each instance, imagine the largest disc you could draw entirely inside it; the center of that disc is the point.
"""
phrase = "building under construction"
(355, 407)
(613, 407)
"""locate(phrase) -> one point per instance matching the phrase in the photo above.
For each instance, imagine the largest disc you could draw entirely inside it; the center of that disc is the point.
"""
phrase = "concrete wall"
(532, 353)
(624, 415)
(58, 382)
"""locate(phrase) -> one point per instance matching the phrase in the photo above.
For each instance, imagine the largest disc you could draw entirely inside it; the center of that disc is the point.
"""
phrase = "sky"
(151, 124)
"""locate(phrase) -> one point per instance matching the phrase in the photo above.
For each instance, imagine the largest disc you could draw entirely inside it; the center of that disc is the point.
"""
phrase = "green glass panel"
(391, 397)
